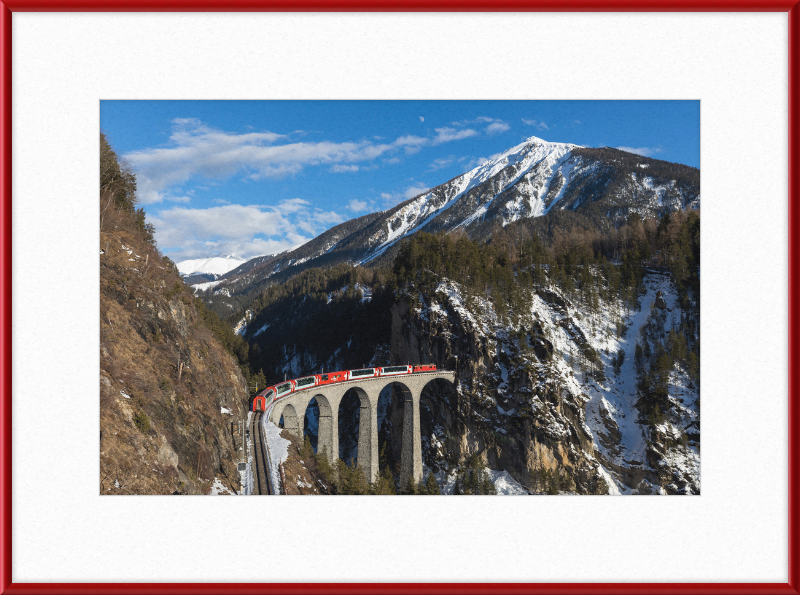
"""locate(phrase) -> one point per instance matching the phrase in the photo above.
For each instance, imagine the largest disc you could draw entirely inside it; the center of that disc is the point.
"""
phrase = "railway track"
(260, 457)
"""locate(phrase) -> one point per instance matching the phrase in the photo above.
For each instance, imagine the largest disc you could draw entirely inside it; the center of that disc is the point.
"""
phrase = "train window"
(304, 382)
(394, 369)
(284, 388)
(269, 394)
(324, 377)
(364, 372)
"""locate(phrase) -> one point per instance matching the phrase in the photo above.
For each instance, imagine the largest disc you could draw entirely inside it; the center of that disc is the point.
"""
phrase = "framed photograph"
(387, 249)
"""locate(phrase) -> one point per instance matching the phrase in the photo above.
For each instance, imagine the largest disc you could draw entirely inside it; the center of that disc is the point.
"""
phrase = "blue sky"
(258, 177)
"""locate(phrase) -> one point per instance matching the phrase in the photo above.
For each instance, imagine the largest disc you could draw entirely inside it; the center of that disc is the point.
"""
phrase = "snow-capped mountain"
(215, 266)
(466, 199)
(534, 180)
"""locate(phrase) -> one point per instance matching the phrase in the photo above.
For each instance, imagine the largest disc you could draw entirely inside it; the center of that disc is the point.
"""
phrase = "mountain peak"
(535, 140)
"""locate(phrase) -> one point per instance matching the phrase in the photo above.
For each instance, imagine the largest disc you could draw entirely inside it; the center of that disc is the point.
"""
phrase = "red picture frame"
(7, 7)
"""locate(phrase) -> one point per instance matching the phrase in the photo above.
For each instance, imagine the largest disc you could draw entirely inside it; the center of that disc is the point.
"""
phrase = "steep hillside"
(170, 394)
(533, 180)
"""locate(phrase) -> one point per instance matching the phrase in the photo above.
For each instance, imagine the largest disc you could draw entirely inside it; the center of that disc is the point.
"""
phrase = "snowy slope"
(215, 265)
(506, 170)
(530, 180)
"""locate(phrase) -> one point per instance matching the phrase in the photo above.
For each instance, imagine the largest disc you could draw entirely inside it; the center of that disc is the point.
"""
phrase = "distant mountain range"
(533, 180)
(208, 269)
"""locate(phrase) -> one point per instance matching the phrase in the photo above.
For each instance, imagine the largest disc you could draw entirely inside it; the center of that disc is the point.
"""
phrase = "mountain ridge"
(532, 180)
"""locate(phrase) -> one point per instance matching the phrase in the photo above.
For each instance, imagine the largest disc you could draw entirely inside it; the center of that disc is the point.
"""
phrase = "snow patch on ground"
(219, 489)
(261, 330)
(204, 286)
(505, 484)
(278, 447)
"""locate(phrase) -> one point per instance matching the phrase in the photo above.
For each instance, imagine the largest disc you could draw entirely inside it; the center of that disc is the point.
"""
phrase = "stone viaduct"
(329, 396)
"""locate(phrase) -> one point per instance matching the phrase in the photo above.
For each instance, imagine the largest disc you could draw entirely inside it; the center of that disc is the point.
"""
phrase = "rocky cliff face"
(170, 395)
(539, 392)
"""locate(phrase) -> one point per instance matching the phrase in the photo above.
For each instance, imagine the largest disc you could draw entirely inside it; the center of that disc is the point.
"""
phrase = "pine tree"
(411, 488)
(341, 478)
(554, 483)
(638, 358)
(357, 478)
(384, 485)
(619, 360)
(536, 479)
(487, 487)
(383, 459)
(431, 488)
(324, 466)
(308, 451)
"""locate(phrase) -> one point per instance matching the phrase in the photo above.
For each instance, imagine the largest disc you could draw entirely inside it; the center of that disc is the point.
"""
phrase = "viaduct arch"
(293, 410)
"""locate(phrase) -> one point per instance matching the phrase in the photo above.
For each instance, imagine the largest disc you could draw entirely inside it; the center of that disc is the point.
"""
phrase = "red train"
(274, 393)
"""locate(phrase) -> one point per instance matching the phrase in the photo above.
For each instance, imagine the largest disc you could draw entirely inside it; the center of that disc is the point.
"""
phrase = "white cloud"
(497, 128)
(541, 125)
(421, 119)
(495, 125)
(221, 201)
(196, 150)
(480, 161)
(292, 205)
(411, 141)
(338, 168)
(478, 120)
(475, 162)
(359, 206)
(442, 162)
(245, 230)
(390, 199)
(643, 151)
(414, 190)
(446, 135)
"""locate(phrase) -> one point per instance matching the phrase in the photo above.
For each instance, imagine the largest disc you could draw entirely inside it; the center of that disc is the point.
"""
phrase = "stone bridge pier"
(293, 410)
